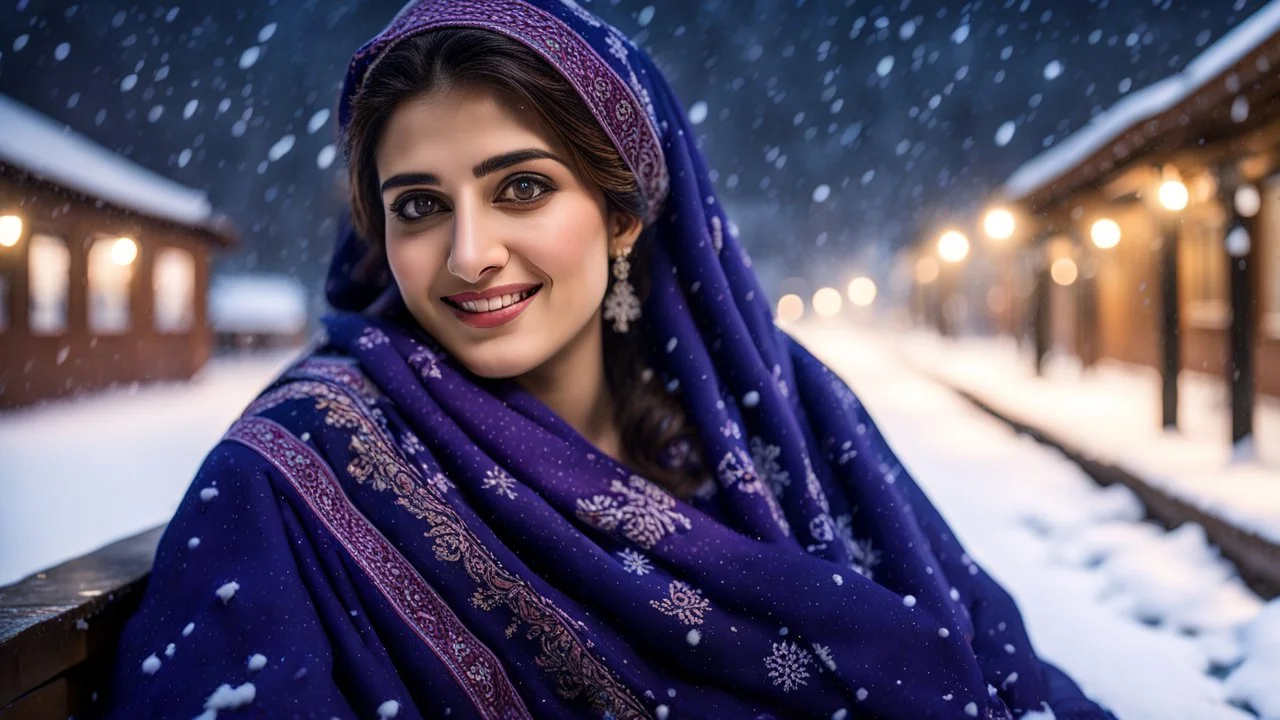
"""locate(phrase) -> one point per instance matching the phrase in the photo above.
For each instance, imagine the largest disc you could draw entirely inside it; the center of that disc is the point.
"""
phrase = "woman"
(552, 458)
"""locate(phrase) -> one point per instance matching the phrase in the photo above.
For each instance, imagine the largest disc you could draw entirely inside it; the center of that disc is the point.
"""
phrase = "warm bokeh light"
(124, 251)
(1247, 201)
(998, 224)
(1173, 195)
(862, 291)
(790, 308)
(1064, 271)
(1105, 233)
(953, 246)
(10, 230)
(997, 299)
(827, 302)
(926, 270)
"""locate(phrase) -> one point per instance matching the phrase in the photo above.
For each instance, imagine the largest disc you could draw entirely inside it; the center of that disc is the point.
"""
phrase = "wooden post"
(1240, 375)
(1040, 315)
(1086, 302)
(1170, 335)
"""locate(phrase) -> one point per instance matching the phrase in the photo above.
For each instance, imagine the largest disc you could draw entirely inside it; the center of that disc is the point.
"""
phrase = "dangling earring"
(621, 305)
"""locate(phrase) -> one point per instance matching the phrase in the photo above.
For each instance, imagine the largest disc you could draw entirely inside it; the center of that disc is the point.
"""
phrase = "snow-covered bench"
(59, 628)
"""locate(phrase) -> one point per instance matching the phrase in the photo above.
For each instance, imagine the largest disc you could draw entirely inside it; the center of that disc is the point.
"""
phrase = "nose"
(476, 250)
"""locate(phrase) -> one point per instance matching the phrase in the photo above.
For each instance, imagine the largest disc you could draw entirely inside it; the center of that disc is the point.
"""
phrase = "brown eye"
(524, 189)
(415, 207)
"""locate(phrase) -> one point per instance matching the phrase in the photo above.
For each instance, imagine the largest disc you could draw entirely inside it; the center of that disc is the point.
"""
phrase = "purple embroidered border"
(612, 103)
(472, 665)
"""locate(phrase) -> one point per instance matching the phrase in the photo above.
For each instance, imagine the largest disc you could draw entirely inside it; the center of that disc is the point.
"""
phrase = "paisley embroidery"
(472, 664)
(565, 655)
(684, 603)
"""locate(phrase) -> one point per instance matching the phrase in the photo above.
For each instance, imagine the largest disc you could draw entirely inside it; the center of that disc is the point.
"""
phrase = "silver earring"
(621, 306)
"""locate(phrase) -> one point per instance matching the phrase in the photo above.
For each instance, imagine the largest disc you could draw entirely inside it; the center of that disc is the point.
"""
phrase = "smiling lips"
(493, 307)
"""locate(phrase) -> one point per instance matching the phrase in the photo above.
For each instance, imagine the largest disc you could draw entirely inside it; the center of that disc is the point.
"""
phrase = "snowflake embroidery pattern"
(765, 457)
(616, 47)
(824, 654)
(783, 388)
(813, 486)
(683, 602)
(582, 14)
(863, 558)
(410, 443)
(643, 512)
(424, 361)
(788, 665)
(635, 562)
(735, 467)
(503, 483)
(438, 483)
(821, 530)
(372, 337)
(731, 429)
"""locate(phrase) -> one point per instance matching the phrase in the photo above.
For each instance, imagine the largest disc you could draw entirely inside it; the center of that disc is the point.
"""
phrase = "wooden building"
(1171, 198)
(104, 265)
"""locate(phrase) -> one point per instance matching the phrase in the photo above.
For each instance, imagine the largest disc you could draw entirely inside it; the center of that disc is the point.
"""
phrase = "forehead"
(462, 124)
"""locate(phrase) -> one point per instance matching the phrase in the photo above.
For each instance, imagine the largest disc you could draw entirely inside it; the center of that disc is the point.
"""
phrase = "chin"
(495, 364)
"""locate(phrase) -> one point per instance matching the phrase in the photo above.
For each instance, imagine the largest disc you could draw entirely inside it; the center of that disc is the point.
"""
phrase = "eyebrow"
(487, 167)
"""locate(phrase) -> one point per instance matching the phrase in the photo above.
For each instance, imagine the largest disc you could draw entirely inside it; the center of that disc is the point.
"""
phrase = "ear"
(623, 231)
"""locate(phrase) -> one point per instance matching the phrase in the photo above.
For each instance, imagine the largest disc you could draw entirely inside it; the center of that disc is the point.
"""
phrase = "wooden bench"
(59, 628)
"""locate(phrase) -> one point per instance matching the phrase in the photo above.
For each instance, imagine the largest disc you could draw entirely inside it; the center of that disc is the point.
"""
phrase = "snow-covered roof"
(57, 153)
(1145, 104)
(257, 303)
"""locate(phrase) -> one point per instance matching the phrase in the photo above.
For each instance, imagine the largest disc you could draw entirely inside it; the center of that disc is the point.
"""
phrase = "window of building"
(111, 268)
(174, 283)
(49, 278)
(1204, 268)
(1270, 256)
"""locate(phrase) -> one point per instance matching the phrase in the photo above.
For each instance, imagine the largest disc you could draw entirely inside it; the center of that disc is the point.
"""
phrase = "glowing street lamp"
(862, 291)
(124, 251)
(827, 302)
(1105, 233)
(998, 224)
(1064, 271)
(790, 308)
(10, 230)
(1173, 194)
(953, 246)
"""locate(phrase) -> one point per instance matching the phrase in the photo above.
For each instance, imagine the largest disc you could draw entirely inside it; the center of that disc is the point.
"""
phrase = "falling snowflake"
(499, 479)
(765, 458)
(642, 511)
(788, 665)
(635, 562)
(683, 602)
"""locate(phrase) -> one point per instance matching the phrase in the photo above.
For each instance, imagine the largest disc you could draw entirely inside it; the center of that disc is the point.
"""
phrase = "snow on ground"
(79, 473)
(1146, 621)
(1113, 413)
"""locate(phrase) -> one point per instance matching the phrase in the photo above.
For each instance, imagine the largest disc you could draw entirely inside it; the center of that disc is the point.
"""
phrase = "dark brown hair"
(649, 419)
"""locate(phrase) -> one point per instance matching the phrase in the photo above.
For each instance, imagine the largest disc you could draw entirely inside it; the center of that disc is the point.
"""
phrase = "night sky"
(903, 110)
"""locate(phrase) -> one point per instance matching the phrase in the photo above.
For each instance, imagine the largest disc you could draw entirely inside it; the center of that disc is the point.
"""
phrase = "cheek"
(414, 265)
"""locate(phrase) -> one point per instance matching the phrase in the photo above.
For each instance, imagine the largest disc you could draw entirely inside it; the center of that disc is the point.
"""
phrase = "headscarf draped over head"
(464, 548)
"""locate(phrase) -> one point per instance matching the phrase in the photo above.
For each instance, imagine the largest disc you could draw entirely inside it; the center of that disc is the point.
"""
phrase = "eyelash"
(544, 186)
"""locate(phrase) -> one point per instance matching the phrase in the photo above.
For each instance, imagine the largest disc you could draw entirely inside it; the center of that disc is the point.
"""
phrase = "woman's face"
(499, 249)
